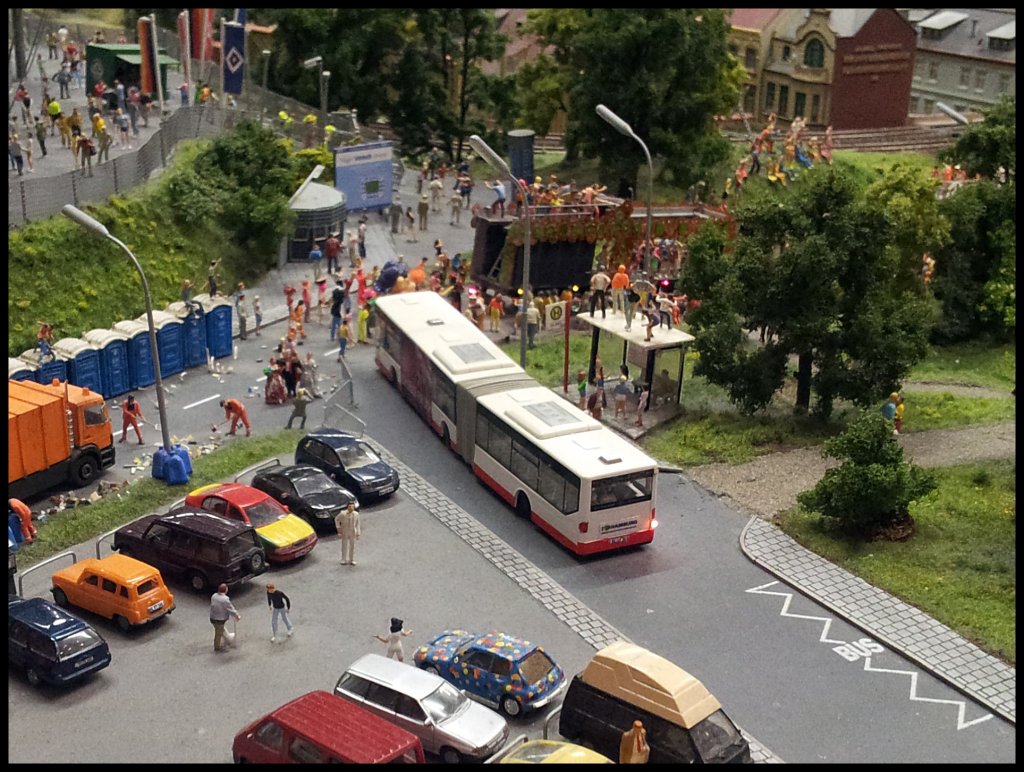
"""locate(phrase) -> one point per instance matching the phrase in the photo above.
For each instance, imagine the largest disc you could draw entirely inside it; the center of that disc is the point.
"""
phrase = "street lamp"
(496, 162)
(624, 128)
(325, 78)
(266, 66)
(174, 468)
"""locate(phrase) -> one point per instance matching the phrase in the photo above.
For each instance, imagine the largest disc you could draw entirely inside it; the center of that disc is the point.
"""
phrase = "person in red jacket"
(235, 410)
(28, 531)
(131, 412)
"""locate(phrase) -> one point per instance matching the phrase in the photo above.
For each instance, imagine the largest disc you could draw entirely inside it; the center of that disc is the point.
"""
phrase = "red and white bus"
(581, 483)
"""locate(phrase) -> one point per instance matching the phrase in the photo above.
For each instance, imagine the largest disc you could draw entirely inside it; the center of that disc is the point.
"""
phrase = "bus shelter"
(659, 360)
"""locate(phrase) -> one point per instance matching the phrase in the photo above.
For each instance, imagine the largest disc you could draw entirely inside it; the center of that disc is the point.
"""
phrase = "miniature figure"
(221, 609)
(394, 639)
(235, 412)
(302, 398)
(633, 749)
(131, 413)
(346, 523)
(280, 605)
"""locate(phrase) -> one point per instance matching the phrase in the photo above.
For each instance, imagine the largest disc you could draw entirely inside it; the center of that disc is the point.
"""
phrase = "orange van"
(322, 728)
(117, 587)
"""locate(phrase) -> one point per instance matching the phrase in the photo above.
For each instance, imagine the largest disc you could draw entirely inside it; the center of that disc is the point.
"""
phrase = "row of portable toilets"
(115, 361)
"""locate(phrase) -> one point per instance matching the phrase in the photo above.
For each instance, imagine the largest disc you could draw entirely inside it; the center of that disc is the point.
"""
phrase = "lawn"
(74, 526)
(993, 366)
(959, 567)
(926, 410)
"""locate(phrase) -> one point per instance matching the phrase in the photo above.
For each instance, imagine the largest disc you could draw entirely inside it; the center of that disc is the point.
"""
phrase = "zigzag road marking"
(960, 704)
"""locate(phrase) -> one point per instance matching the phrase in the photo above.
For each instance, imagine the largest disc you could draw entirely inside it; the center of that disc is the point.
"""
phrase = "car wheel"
(446, 438)
(123, 623)
(257, 562)
(510, 706)
(450, 756)
(33, 676)
(60, 598)
(523, 506)
(197, 581)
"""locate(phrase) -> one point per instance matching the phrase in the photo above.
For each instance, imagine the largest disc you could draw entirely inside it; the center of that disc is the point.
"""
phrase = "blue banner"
(364, 173)
(233, 57)
(240, 16)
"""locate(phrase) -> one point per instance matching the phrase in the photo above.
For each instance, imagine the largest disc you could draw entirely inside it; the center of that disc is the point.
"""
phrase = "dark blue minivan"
(50, 644)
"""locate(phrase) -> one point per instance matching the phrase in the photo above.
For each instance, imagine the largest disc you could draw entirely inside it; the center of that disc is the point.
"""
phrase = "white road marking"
(200, 402)
(961, 705)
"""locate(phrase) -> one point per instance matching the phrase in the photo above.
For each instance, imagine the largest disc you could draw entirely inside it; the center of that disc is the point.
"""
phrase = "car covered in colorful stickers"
(508, 673)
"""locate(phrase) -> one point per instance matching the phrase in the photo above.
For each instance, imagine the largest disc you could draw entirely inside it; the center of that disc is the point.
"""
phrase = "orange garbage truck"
(56, 433)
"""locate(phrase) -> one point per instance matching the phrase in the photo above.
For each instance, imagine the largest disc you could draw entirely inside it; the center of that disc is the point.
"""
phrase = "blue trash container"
(193, 322)
(219, 312)
(170, 341)
(114, 368)
(83, 360)
(140, 353)
(20, 370)
(46, 371)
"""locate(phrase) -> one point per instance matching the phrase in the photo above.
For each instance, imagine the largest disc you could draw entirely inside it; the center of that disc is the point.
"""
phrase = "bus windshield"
(620, 491)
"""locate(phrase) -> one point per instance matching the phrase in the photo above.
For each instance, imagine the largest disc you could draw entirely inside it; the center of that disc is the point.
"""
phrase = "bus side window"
(572, 496)
(500, 446)
(482, 425)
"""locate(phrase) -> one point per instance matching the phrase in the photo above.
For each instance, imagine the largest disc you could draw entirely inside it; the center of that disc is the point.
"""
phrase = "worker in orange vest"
(25, 515)
(131, 412)
(235, 410)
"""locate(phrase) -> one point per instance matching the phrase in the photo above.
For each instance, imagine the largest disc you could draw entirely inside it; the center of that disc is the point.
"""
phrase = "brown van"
(623, 682)
(322, 728)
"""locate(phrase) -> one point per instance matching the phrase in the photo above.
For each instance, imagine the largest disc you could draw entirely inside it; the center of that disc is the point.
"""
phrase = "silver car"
(447, 722)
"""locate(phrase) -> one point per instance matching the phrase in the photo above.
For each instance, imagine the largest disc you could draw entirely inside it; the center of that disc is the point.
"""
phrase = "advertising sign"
(364, 174)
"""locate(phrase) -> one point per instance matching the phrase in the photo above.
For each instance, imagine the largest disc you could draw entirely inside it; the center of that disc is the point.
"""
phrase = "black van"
(685, 724)
(194, 546)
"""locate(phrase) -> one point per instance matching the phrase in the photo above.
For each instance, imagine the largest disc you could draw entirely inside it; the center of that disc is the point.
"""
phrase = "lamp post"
(266, 66)
(99, 229)
(624, 128)
(496, 162)
(325, 78)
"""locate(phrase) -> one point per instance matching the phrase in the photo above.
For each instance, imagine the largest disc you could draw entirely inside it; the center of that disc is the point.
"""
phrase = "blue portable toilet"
(170, 341)
(218, 312)
(193, 322)
(140, 353)
(83, 360)
(46, 372)
(20, 370)
(114, 368)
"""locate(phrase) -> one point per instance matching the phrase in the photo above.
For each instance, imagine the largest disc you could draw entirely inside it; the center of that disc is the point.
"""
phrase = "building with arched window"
(851, 68)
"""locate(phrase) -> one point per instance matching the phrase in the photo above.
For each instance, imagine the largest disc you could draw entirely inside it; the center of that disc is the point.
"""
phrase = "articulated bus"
(581, 483)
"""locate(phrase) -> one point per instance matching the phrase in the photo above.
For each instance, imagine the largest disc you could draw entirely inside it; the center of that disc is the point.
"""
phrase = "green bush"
(874, 486)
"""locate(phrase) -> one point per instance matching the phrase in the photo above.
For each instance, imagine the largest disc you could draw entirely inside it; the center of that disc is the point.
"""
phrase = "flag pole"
(156, 64)
(187, 56)
(222, 94)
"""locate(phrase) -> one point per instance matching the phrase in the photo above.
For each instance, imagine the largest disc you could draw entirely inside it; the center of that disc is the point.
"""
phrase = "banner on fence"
(232, 60)
(364, 174)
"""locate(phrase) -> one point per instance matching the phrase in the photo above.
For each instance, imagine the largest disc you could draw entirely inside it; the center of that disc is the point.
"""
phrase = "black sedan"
(307, 492)
(350, 461)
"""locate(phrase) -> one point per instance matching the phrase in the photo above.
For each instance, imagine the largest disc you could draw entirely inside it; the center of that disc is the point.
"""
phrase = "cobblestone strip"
(592, 628)
(902, 627)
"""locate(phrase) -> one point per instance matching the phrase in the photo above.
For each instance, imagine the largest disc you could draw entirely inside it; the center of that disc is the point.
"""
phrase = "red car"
(285, 537)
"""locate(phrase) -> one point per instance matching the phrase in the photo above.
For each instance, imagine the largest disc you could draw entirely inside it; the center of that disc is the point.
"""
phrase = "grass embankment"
(74, 526)
(960, 565)
(710, 429)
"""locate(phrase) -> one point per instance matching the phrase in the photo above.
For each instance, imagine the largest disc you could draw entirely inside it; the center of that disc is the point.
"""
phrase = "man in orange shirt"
(496, 307)
(131, 412)
(418, 275)
(620, 283)
(235, 410)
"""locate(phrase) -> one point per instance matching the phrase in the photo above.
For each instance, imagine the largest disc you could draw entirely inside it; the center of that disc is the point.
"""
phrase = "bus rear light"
(654, 519)
(654, 523)
(584, 526)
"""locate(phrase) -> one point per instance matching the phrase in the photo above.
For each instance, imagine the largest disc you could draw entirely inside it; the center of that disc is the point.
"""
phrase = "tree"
(985, 146)
(820, 274)
(666, 72)
(873, 488)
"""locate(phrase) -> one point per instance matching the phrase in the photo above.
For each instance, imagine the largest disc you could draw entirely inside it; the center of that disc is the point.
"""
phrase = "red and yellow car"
(285, 537)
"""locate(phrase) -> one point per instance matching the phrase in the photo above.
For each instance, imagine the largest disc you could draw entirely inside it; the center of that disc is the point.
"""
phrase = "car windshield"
(76, 643)
(264, 513)
(535, 667)
(317, 483)
(444, 703)
(357, 455)
(714, 736)
(241, 544)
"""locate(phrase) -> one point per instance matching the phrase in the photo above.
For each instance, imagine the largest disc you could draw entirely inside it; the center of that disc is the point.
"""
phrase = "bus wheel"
(523, 506)
(446, 437)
